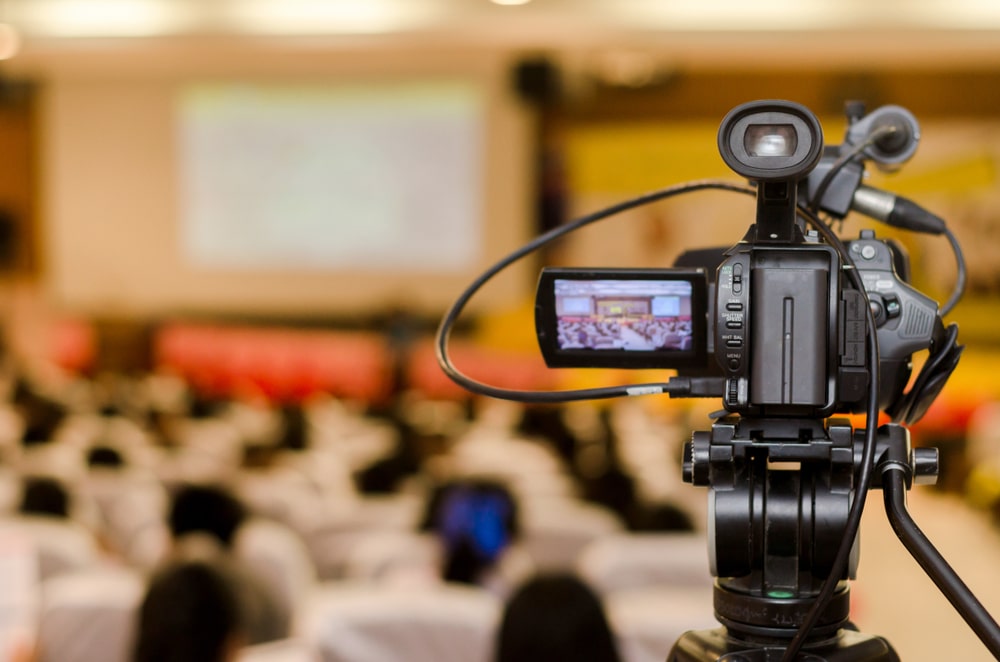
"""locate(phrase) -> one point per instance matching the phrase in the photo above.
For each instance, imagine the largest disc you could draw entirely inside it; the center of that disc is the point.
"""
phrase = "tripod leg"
(942, 574)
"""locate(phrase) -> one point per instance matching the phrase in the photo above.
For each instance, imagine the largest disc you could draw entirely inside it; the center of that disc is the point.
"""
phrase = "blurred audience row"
(157, 525)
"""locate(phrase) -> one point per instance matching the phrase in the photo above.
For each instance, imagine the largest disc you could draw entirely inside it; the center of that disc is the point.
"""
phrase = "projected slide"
(629, 315)
(381, 177)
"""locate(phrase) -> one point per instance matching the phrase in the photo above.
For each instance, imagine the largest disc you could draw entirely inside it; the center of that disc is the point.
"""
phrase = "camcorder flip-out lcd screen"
(615, 318)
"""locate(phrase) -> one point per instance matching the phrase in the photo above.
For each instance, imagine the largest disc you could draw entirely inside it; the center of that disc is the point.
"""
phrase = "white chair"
(648, 623)
(62, 545)
(555, 531)
(394, 557)
(210, 451)
(127, 501)
(282, 494)
(148, 545)
(445, 624)
(327, 472)
(285, 650)
(643, 560)
(530, 468)
(331, 544)
(89, 616)
(279, 557)
(63, 461)
(358, 440)
(479, 448)
(19, 600)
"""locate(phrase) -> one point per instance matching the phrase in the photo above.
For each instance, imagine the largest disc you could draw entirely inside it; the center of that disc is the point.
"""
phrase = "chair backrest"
(648, 622)
(555, 531)
(128, 502)
(283, 495)
(279, 557)
(285, 650)
(89, 616)
(446, 623)
(332, 544)
(643, 560)
(394, 557)
(19, 600)
(62, 546)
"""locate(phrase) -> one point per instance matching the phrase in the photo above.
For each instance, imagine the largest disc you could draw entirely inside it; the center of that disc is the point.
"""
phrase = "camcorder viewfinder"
(622, 318)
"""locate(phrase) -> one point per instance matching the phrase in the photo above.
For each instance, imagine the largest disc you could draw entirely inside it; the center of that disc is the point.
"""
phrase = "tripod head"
(780, 493)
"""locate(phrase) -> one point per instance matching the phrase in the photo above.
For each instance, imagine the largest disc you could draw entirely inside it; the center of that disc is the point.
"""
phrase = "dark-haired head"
(189, 614)
(44, 496)
(555, 617)
(105, 456)
(476, 520)
(206, 509)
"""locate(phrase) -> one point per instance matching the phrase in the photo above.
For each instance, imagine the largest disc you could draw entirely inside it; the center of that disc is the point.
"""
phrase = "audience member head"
(105, 457)
(548, 423)
(206, 509)
(294, 427)
(385, 475)
(259, 456)
(190, 613)
(203, 405)
(555, 617)
(42, 415)
(476, 520)
(44, 496)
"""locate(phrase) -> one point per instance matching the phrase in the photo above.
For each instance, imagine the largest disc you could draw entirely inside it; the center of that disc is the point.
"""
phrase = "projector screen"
(361, 177)
(283, 195)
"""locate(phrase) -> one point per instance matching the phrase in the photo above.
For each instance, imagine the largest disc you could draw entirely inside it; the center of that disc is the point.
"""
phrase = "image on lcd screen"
(623, 315)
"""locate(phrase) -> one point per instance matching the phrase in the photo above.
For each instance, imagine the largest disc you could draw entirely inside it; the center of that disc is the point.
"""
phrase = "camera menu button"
(893, 308)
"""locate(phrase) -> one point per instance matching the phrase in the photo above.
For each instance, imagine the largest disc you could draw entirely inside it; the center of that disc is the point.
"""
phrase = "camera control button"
(734, 306)
(734, 364)
(734, 324)
(734, 343)
(893, 308)
(868, 252)
(878, 309)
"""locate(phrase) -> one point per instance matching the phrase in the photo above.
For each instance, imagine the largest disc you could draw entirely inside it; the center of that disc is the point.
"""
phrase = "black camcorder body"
(779, 323)
(773, 315)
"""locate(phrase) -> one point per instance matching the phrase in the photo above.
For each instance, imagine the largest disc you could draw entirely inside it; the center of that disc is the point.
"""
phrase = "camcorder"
(790, 327)
(773, 316)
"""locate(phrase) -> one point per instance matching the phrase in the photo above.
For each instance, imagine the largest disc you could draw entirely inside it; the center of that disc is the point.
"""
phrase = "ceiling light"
(768, 15)
(326, 16)
(102, 18)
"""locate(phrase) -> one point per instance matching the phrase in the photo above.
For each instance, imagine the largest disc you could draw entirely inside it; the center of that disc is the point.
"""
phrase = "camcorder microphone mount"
(791, 328)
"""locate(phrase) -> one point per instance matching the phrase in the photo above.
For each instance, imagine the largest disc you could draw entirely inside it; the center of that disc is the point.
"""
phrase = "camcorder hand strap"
(943, 360)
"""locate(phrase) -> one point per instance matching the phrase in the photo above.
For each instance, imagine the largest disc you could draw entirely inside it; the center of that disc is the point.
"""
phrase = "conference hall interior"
(231, 233)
